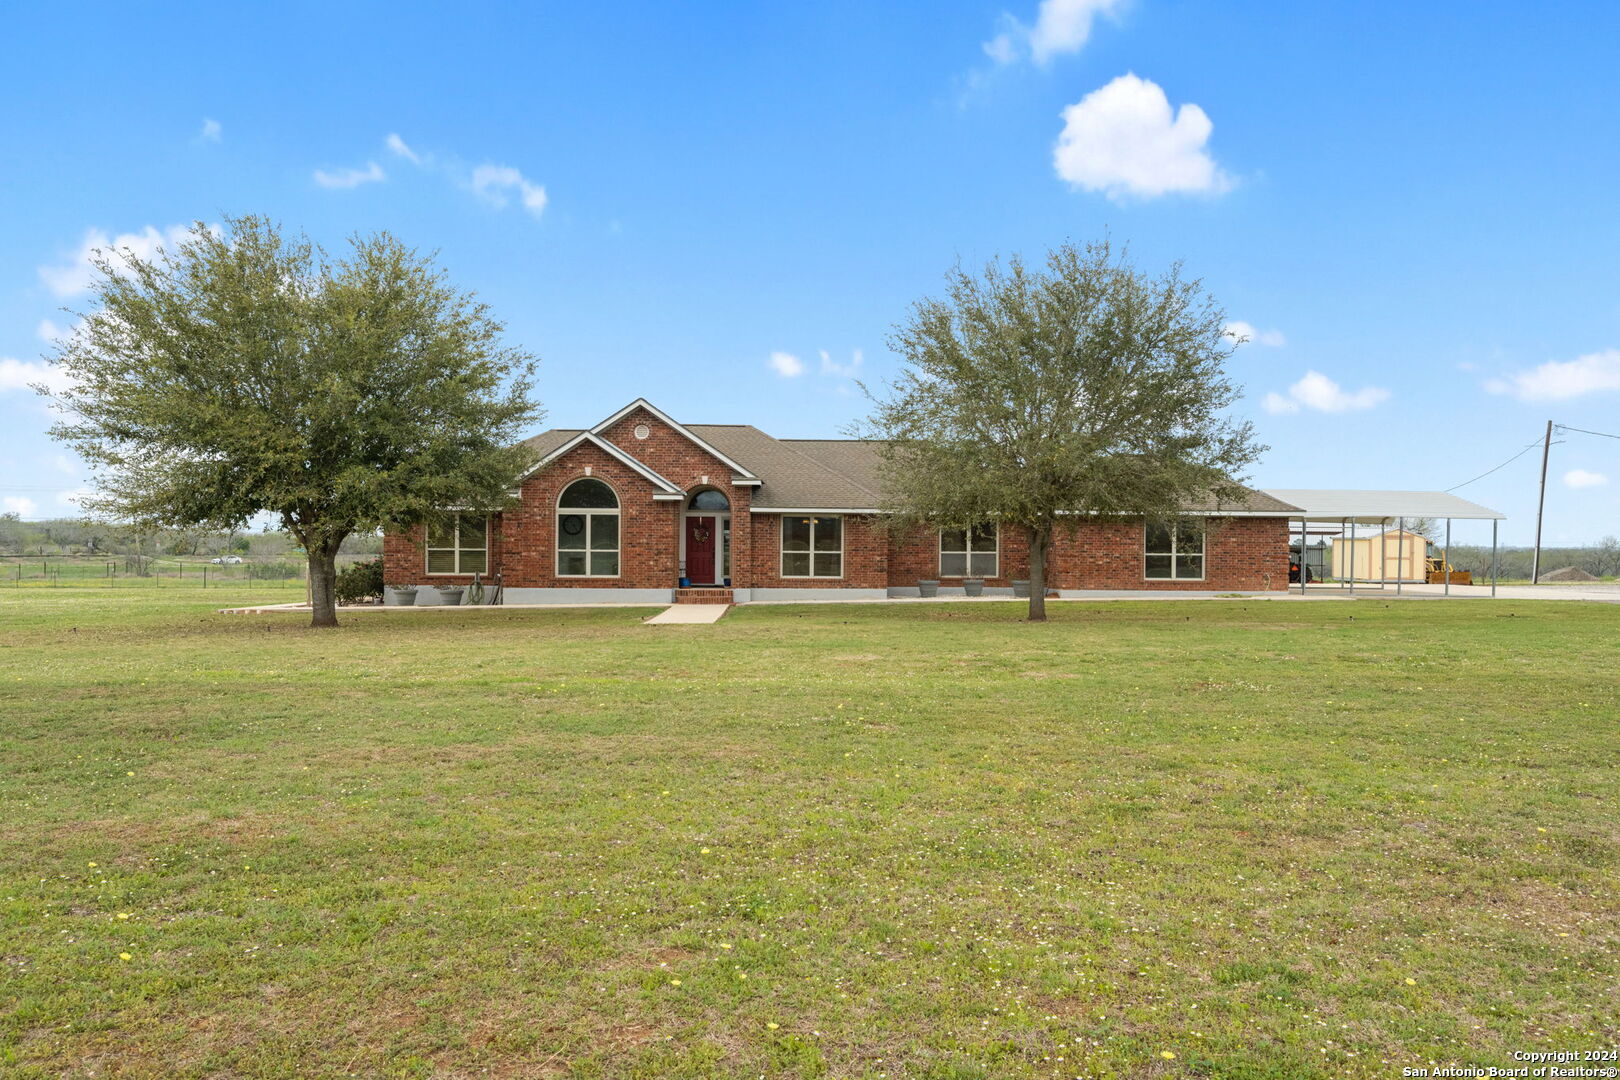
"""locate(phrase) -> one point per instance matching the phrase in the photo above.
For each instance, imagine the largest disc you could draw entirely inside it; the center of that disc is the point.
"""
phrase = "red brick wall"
(646, 528)
(649, 537)
(866, 557)
(914, 555)
(1239, 554)
(405, 558)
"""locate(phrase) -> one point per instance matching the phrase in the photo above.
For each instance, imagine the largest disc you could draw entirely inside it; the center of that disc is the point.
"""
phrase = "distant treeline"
(82, 536)
(1601, 559)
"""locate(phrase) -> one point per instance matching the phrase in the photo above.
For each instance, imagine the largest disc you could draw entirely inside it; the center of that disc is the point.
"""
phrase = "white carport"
(1348, 509)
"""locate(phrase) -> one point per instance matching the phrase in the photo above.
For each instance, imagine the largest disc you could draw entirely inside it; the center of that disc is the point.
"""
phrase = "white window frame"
(969, 551)
(457, 550)
(783, 552)
(586, 512)
(1175, 526)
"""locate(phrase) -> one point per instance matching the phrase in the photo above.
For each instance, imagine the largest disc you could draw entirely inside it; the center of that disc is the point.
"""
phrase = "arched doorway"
(706, 538)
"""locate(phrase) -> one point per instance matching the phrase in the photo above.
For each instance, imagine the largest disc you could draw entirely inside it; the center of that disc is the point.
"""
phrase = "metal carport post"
(1445, 560)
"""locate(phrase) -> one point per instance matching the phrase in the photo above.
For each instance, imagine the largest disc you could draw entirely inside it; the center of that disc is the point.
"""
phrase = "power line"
(1527, 448)
(1583, 431)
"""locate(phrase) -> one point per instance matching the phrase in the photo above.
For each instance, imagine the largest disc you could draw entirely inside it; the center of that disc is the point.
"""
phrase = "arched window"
(710, 499)
(588, 530)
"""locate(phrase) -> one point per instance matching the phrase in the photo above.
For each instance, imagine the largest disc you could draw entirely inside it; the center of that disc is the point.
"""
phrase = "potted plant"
(927, 588)
(450, 595)
(1020, 586)
(399, 596)
(973, 586)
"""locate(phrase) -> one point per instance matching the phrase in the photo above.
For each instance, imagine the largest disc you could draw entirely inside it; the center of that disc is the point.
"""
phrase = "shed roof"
(1381, 507)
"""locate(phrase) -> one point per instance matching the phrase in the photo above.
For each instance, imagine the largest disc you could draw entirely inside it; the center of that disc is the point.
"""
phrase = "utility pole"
(1541, 504)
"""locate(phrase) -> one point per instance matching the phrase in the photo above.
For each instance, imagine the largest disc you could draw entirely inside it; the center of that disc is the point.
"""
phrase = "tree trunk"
(1040, 537)
(323, 586)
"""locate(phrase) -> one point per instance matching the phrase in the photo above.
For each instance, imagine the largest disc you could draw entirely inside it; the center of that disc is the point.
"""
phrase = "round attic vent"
(641, 431)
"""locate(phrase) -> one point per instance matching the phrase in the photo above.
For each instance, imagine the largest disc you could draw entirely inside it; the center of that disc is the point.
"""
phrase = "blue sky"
(1413, 206)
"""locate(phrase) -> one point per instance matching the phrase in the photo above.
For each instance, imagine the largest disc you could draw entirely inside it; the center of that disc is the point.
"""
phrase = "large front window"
(1175, 550)
(588, 530)
(458, 544)
(813, 547)
(969, 552)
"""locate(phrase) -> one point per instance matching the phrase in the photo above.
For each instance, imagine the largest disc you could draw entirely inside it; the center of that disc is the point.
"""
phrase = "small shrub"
(360, 581)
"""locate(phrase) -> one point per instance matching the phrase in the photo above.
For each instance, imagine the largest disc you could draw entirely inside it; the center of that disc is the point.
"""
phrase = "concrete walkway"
(686, 614)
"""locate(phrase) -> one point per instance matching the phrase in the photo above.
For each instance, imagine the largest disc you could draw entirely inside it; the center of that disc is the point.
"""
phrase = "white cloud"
(495, 183)
(77, 275)
(17, 504)
(829, 366)
(1061, 26)
(1244, 333)
(786, 365)
(1560, 380)
(397, 145)
(25, 374)
(48, 330)
(1581, 478)
(1003, 48)
(1124, 140)
(73, 499)
(211, 131)
(350, 178)
(1317, 391)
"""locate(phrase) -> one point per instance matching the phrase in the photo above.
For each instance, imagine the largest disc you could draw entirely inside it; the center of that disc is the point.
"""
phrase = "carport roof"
(1381, 507)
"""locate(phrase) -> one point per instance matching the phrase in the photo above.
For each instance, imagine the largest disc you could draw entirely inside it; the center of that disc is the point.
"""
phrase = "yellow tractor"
(1436, 569)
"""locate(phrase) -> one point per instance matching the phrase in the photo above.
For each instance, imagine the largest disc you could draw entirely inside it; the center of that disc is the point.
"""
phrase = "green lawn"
(1272, 839)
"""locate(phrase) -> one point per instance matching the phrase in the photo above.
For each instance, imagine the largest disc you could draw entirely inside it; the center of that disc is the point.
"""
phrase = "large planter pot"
(973, 586)
(399, 596)
(450, 595)
(1020, 588)
(927, 588)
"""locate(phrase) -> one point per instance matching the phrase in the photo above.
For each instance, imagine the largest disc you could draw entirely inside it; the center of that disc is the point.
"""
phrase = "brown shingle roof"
(830, 474)
(793, 480)
(547, 441)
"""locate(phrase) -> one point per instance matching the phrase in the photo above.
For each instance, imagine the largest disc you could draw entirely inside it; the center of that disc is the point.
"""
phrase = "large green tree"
(1034, 398)
(245, 372)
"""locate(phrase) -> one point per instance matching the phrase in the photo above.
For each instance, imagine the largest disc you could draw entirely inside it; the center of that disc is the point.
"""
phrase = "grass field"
(1214, 839)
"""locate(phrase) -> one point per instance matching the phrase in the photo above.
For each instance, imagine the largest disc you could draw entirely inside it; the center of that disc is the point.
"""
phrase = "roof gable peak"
(676, 426)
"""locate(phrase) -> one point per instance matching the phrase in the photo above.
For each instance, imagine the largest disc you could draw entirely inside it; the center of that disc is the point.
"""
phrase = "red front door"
(701, 543)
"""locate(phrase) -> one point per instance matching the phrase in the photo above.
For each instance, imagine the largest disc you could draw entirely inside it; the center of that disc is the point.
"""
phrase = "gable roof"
(580, 437)
(836, 475)
(689, 432)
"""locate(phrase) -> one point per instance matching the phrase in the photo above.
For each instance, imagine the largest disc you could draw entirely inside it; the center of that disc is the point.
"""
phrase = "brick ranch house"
(641, 508)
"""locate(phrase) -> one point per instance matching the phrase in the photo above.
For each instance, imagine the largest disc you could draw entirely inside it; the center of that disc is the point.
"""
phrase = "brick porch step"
(703, 596)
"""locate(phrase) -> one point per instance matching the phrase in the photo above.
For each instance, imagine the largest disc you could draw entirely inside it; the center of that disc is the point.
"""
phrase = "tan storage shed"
(1404, 556)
